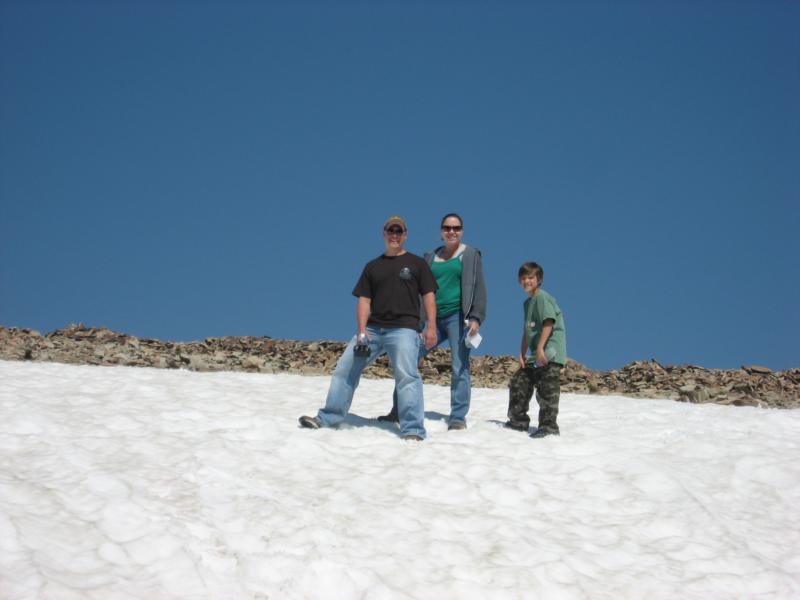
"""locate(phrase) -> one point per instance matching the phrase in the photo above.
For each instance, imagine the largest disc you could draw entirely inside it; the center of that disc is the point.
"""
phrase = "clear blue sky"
(182, 170)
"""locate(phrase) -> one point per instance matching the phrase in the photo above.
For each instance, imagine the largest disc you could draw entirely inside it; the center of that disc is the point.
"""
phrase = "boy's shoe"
(390, 418)
(309, 422)
(540, 433)
(456, 425)
(411, 438)
(515, 426)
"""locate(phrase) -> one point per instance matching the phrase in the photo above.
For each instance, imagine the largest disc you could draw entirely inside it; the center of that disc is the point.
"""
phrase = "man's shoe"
(515, 426)
(309, 422)
(540, 433)
(456, 425)
(411, 438)
(390, 418)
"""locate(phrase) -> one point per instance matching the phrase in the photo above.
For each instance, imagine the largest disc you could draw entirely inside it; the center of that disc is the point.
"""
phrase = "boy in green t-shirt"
(544, 336)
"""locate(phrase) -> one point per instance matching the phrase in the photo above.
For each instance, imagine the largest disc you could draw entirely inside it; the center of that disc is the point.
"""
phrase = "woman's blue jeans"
(452, 329)
(402, 345)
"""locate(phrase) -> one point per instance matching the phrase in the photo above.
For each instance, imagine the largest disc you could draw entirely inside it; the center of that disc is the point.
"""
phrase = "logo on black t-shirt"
(405, 273)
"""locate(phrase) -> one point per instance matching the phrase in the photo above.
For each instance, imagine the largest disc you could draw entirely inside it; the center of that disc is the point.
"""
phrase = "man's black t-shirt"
(394, 285)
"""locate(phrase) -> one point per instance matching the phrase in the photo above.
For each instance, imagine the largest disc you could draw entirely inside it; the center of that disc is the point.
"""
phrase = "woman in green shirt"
(460, 311)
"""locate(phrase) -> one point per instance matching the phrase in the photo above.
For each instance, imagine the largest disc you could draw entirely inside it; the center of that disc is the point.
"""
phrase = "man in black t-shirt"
(387, 315)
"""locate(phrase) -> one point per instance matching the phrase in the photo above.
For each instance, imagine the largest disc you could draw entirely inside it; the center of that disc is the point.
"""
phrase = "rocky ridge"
(78, 344)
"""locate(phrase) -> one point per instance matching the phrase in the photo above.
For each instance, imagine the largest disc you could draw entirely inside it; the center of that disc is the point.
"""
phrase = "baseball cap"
(395, 220)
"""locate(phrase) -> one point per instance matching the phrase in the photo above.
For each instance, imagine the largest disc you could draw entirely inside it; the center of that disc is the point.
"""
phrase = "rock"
(695, 394)
(746, 401)
(120, 358)
(79, 344)
(253, 363)
(198, 362)
(757, 370)
(104, 334)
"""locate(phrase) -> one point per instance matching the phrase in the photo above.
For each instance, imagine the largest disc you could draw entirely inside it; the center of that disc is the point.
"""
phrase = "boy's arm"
(523, 350)
(547, 329)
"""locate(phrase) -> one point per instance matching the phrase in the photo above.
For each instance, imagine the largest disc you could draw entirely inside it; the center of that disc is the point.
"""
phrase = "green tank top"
(448, 276)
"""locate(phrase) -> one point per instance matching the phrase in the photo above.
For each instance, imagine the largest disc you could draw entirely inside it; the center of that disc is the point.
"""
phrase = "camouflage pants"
(547, 381)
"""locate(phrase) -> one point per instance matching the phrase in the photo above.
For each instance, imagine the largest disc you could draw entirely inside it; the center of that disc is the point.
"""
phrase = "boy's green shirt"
(539, 307)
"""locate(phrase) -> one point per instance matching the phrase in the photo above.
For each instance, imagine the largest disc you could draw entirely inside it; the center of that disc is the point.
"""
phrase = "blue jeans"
(452, 329)
(402, 345)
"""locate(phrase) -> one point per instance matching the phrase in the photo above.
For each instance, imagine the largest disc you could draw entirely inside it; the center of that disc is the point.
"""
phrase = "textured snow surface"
(122, 483)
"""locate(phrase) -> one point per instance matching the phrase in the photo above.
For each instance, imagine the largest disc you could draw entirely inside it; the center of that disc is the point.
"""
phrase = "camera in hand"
(362, 346)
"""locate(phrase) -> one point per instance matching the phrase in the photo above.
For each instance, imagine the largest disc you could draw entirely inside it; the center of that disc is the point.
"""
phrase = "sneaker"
(540, 433)
(309, 422)
(390, 418)
(514, 426)
(456, 425)
(411, 438)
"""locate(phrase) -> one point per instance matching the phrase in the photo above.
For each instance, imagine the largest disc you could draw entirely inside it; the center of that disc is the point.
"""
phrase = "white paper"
(473, 341)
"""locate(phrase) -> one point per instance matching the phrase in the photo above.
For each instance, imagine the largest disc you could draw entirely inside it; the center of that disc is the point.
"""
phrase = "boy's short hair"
(531, 268)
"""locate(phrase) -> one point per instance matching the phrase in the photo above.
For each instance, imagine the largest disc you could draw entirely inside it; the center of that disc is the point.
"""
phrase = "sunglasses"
(455, 228)
(395, 230)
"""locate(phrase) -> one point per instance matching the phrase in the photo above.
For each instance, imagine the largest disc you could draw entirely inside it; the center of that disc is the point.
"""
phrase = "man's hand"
(521, 360)
(429, 337)
(362, 345)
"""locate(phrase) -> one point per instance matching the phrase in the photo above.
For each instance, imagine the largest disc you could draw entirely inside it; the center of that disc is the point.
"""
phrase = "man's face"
(529, 283)
(394, 236)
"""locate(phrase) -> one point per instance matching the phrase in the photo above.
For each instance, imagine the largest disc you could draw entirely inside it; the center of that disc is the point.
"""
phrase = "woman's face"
(452, 230)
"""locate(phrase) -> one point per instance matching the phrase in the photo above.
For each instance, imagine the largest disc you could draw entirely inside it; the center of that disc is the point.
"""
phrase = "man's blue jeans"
(402, 345)
(452, 329)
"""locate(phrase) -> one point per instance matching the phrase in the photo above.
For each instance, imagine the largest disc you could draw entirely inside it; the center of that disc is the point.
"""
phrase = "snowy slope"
(120, 483)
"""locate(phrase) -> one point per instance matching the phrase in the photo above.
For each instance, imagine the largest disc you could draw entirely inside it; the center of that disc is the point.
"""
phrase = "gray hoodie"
(473, 287)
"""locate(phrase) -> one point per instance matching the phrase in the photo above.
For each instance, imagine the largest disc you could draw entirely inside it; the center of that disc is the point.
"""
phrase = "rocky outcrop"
(78, 344)
(748, 386)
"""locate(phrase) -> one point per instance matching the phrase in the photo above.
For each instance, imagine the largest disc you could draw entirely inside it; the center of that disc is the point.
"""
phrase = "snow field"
(122, 483)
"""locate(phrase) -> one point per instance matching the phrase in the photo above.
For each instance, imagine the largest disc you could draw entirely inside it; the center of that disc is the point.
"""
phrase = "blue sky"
(183, 170)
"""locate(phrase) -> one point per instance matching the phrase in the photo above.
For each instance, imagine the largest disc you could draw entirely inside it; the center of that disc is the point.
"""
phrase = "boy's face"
(529, 283)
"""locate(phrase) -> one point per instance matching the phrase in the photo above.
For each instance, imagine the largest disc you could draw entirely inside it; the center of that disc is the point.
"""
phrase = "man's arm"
(547, 329)
(429, 335)
(363, 309)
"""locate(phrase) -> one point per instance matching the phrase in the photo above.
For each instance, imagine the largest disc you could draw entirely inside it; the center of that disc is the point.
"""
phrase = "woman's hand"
(473, 327)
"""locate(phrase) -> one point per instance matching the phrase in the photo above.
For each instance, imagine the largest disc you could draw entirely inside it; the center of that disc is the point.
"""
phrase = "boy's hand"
(541, 358)
(521, 360)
